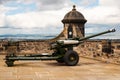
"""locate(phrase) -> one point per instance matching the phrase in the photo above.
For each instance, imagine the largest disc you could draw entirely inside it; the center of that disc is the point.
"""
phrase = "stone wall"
(89, 49)
(25, 47)
(93, 49)
(34, 47)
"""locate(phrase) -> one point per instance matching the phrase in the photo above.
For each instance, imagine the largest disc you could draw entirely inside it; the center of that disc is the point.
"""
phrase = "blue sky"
(20, 7)
(86, 3)
(17, 16)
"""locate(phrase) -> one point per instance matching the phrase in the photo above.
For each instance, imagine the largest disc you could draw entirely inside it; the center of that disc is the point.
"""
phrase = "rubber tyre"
(71, 58)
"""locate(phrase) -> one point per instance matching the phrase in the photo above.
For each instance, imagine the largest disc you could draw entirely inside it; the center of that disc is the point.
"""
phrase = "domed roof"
(74, 16)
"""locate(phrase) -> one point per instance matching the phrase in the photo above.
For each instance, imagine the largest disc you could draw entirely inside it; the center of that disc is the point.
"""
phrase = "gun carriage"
(63, 51)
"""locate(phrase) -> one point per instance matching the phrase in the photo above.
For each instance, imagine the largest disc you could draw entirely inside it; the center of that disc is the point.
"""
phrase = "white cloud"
(3, 10)
(107, 12)
(109, 3)
(2, 20)
(102, 15)
(53, 4)
(36, 19)
(3, 17)
(50, 13)
(43, 4)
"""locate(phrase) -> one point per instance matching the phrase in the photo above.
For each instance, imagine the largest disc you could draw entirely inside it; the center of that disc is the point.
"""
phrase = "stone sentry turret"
(73, 27)
(73, 24)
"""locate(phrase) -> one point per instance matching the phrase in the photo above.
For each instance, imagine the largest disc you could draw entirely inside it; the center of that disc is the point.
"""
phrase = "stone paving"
(87, 69)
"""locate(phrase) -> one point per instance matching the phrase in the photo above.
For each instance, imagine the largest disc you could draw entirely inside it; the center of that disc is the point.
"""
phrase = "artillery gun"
(63, 53)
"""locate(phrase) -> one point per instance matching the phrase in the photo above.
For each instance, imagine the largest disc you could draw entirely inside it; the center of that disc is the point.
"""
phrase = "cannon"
(63, 51)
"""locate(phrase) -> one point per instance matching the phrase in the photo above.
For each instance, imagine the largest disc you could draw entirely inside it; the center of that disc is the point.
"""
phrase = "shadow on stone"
(55, 64)
(27, 64)
(88, 63)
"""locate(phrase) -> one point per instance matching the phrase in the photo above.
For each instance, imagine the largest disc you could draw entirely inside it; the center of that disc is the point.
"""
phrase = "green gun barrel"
(74, 41)
(108, 31)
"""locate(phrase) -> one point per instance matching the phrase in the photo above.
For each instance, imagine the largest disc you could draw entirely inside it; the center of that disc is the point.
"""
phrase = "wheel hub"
(72, 58)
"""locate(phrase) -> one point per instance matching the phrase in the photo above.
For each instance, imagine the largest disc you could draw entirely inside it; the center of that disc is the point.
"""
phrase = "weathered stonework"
(74, 24)
(93, 49)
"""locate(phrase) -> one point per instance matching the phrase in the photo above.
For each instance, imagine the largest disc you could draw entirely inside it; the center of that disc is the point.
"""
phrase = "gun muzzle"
(112, 30)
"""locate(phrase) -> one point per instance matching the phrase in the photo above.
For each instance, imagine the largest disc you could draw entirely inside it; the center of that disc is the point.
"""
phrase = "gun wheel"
(9, 63)
(71, 58)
